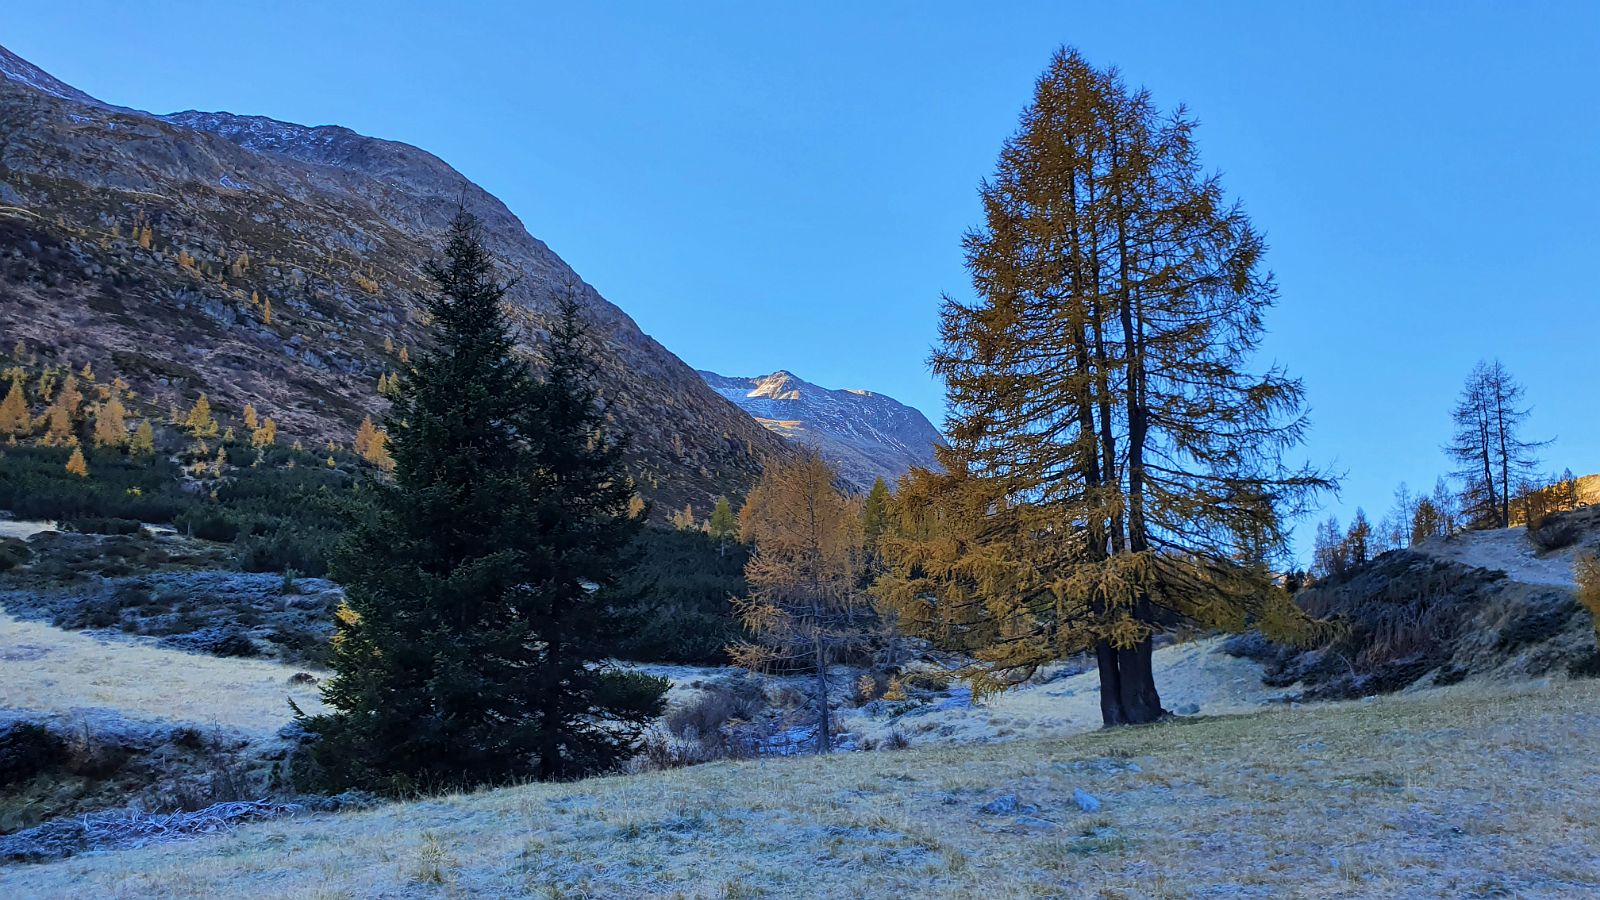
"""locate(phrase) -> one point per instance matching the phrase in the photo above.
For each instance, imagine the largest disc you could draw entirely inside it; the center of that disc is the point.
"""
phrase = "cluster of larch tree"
(1496, 481)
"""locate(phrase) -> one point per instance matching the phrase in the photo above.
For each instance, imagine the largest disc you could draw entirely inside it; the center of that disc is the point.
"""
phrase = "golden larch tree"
(1126, 465)
(76, 464)
(199, 421)
(265, 434)
(110, 425)
(143, 440)
(14, 417)
(365, 434)
(805, 607)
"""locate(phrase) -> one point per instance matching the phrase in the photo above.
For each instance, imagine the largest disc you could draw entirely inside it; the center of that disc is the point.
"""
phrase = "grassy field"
(45, 669)
(1466, 791)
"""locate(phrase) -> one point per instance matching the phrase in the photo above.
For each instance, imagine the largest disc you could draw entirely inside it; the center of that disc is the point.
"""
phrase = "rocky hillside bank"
(1496, 604)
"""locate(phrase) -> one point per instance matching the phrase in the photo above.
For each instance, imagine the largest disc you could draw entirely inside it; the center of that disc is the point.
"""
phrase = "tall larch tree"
(1101, 392)
(473, 646)
(61, 416)
(805, 608)
(1493, 457)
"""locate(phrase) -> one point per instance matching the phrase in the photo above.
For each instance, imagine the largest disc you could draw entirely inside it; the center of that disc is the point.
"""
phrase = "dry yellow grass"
(44, 668)
(1461, 792)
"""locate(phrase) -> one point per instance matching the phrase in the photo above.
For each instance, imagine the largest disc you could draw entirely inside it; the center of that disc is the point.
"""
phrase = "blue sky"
(784, 185)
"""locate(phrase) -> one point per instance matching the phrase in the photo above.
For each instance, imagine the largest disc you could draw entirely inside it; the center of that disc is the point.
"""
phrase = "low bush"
(938, 682)
(13, 553)
(28, 749)
(1554, 533)
(713, 708)
(894, 740)
(303, 645)
(103, 525)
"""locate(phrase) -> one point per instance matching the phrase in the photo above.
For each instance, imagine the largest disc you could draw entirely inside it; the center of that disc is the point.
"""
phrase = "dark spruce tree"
(471, 649)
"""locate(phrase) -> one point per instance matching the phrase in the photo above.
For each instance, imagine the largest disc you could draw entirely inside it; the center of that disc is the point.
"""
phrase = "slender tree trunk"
(550, 762)
(1488, 470)
(1141, 703)
(824, 739)
(1111, 712)
(1505, 458)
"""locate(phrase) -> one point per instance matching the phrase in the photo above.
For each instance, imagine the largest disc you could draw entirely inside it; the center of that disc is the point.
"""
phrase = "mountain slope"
(864, 435)
(149, 246)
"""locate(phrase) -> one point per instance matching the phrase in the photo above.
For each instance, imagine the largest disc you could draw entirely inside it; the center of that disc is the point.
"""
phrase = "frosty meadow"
(353, 544)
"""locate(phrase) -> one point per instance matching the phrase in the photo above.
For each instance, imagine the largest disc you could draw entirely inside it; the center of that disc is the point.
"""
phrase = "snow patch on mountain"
(865, 435)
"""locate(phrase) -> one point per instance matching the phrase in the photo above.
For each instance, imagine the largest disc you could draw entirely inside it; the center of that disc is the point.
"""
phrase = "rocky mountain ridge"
(864, 435)
(277, 264)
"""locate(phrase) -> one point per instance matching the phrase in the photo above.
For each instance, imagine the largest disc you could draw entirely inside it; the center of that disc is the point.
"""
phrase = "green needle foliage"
(472, 647)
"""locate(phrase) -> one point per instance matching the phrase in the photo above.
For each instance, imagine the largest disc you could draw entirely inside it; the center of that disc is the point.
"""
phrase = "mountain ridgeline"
(279, 265)
(863, 435)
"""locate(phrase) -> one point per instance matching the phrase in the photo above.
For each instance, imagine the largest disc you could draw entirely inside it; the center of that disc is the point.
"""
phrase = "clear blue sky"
(784, 185)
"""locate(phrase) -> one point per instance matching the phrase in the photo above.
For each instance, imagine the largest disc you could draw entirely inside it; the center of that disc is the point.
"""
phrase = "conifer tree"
(1127, 462)
(1328, 556)
(143, 440)
(62, 414)
(474, 643)
(199, 421)
(875, 516)
(76, 464)
(1489, 446)
(1426, 522)
(365, 435)
(265, 434)
(110, 425)
(1358, 540)
(14, 417)
(805, 606)
(250, 417)
(723, 525)
(684, 519)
